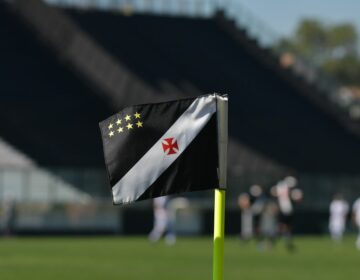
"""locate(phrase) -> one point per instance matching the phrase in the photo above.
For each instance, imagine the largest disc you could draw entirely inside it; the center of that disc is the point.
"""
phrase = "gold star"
(118, 122)
(137, 115)
(127, 118)
(111, 134)
(120, 129)
(110, 126)
(129, 126)
(139, 124)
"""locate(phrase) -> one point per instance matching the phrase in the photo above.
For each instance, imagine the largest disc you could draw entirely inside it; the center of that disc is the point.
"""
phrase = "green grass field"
(191, 258)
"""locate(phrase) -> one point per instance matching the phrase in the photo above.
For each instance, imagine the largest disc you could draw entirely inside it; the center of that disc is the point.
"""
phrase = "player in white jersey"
(356, 219)
(161, 221)
(286, 194)
(339, 209)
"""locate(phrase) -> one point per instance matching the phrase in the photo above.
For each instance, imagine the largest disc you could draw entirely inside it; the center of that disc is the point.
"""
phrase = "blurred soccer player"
(286, 195)
(246, 216)
(257, 199)
(268, 223)
(8, 216)
(161, 222)
(337, 221)
(356, 219)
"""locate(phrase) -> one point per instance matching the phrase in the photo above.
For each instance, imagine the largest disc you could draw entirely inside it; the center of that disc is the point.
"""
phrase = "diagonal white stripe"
(148, 169)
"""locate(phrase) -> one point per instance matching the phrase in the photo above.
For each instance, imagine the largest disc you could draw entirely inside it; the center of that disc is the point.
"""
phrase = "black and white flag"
(165, 148)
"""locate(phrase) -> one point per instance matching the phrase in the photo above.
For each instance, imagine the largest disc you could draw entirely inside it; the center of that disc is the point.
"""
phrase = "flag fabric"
(160, 149)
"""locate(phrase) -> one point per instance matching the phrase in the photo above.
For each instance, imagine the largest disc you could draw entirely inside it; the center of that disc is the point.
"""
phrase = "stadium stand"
(46, 111)
(268, 112)
(54, 92)
(72, 31)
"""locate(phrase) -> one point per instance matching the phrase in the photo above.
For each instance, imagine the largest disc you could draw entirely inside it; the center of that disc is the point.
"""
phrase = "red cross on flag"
(170, 146)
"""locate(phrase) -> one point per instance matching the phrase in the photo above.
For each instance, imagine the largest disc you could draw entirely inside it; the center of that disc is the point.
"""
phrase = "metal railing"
(53, 185)
(172, 7)
(89, 185)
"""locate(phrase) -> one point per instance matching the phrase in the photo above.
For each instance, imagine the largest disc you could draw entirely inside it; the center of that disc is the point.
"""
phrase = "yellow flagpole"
(219, 199)
(219, 222)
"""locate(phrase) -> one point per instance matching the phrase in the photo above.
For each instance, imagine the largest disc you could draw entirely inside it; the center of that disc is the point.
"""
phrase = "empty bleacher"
(268, 112)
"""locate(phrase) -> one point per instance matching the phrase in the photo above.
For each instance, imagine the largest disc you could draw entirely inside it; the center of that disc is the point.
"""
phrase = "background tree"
(332, 48)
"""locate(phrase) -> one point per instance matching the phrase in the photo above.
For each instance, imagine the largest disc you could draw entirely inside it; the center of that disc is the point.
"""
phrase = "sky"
(283, 15)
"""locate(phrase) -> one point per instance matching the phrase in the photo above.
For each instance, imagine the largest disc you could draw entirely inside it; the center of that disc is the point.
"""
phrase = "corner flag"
(164, 148)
